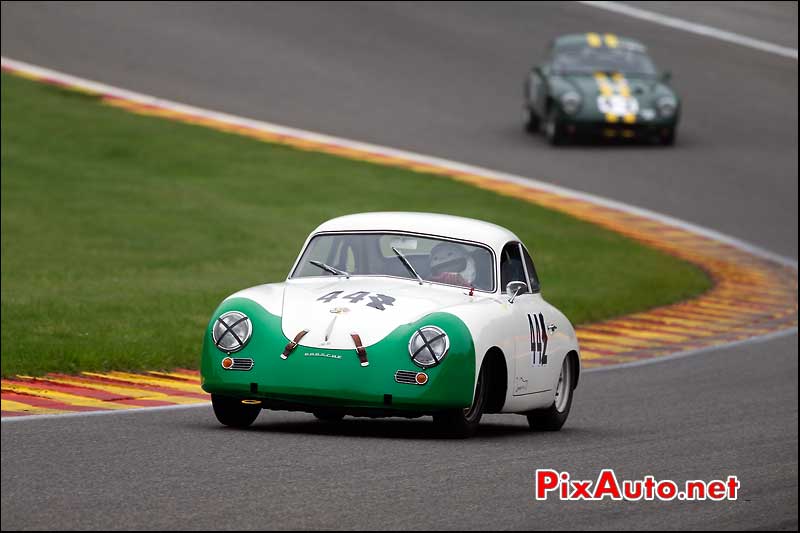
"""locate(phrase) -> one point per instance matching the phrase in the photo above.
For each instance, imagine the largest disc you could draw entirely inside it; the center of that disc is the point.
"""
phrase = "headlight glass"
(666, 106)
(570, 102)
(428, 346)
(231, 331)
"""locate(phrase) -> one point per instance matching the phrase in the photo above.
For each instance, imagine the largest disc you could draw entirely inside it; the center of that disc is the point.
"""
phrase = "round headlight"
(428, 346)
(231, 331)
(570, 102)
(666, 106)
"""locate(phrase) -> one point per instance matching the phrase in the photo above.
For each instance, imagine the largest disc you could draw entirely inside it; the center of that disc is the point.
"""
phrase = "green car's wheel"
(554, 128)
(552, 418)
(531, 120)
(232, 412)
(328, 416)
(462, 423)
(668, 137)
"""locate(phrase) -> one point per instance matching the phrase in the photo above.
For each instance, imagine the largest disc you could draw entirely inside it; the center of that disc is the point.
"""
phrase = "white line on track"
(699, 351)
(410, 156)
(81, 414)
(693, 27)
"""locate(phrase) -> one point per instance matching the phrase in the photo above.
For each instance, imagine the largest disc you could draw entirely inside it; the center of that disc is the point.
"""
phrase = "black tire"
(328, 416)
(462, 423)
(554, 128)
(531, 120)
(553, 418)
(232, 412)
(668, 138)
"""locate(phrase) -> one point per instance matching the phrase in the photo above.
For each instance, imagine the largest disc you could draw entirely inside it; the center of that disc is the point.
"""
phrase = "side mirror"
(666, 76)
(514, 288)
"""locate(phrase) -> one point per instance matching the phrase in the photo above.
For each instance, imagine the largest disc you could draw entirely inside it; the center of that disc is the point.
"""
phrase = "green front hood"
(317, 376)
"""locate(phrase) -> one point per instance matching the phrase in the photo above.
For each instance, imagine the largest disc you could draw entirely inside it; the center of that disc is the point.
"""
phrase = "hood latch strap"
(293, 344)
(360, 350)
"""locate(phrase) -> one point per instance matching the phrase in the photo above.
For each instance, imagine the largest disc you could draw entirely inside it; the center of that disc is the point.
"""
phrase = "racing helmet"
(453, 258)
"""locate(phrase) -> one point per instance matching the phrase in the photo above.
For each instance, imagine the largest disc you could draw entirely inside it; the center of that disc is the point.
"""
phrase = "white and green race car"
(396, 314)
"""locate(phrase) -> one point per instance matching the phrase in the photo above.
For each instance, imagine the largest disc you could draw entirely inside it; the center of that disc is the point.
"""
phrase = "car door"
(523, 307)
(537, 340)
(536, 90)
(548, 330)
(538, 86)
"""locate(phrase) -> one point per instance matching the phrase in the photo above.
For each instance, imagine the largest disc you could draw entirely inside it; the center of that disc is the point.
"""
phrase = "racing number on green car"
(378, 301)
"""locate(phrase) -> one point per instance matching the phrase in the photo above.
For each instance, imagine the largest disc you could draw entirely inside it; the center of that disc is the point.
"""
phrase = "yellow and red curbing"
(752, 296)
(91, 391)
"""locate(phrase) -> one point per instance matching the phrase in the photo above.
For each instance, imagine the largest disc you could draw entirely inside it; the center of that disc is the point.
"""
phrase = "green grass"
(121, 233)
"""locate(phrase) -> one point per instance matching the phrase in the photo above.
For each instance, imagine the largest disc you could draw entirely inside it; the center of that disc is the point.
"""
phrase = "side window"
(531, 270)
(511, 268)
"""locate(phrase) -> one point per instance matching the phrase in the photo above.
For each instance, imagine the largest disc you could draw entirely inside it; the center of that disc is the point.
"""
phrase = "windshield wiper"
(330, 269)
(407, 264)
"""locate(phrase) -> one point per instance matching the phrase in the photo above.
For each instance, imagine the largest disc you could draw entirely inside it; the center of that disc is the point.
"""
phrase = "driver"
(451, 264)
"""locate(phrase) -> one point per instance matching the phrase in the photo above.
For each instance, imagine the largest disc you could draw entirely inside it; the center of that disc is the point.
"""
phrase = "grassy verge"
(121, 233)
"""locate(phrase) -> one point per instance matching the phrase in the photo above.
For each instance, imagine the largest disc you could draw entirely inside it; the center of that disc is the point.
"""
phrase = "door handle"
(551, 328)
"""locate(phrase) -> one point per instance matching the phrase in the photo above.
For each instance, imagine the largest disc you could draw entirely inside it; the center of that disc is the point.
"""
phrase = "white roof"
(461, 228)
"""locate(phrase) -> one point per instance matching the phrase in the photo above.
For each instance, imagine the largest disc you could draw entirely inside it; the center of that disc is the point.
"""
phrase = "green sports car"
(600, 85)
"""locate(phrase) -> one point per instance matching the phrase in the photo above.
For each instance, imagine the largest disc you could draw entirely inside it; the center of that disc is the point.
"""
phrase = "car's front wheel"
(232, 412)
(668, 136)
(462, 423)
(553, 417)
(530, 119)
(554, 128)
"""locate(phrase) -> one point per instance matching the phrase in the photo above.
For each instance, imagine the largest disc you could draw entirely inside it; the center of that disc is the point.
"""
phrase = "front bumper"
(317, 377)
(599, 126)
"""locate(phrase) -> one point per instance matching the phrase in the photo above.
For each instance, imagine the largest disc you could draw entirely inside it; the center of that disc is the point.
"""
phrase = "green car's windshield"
(588, 59)
(385, 254)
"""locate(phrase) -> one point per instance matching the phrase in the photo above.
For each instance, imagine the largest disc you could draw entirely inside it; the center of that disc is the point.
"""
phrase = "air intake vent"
(410, 377)
(405, 376)
(241, 363)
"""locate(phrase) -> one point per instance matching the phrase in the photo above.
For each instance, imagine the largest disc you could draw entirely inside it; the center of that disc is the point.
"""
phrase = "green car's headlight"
(666, 106)
(570, 102)
(231, 331)
(428, 346)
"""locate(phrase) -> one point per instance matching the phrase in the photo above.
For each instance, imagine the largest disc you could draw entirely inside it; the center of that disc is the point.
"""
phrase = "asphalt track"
(444, 80)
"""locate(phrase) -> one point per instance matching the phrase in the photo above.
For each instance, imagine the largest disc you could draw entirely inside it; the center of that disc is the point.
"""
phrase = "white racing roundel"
(618, 105)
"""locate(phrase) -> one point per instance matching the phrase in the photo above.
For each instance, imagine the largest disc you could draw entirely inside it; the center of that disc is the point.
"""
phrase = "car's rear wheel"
(554, 128)
(553, 417)
(462, 423)
(232, 412)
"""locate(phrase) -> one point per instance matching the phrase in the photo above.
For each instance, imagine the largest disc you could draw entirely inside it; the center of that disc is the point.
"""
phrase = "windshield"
(588, 59)
(382, 254)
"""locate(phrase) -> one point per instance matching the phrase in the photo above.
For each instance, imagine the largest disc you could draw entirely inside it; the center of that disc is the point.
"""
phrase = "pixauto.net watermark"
(550, 483)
